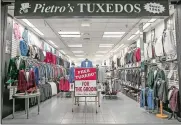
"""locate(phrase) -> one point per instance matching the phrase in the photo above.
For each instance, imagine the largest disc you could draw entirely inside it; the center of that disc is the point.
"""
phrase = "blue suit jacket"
(89, 65)
(71, 75)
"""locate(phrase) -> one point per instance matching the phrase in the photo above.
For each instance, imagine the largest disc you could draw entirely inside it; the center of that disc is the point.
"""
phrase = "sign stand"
(85, 86)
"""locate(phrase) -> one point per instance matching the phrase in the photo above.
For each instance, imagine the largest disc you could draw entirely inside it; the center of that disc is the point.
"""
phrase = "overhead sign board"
(93, 8)
(85, 82)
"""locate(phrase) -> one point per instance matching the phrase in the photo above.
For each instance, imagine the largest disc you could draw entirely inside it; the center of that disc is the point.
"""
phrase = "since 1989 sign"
(85, 82)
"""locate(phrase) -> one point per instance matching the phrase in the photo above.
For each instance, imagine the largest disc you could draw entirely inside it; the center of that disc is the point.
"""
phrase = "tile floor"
(59, 111)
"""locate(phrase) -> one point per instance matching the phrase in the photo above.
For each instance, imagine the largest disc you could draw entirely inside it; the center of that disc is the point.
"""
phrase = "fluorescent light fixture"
(62, 52)
(106, 45)
(69, 33)
(32, 26)
(75, 45)
(78, 51)
(114, 33)
(70, 36)
(28, 23)
(107, 35)
(55, 46)
(146, 25)
(101, 52)
(79, 55)
(81, 58)
(152, 20)
(137, 32)
(131, 37)
(122, 45)
(51, 42)
(99, 55)
(85, 24)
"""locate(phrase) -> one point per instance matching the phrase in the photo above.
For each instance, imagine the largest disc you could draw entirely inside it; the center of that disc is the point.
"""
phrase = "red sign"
(85, 74)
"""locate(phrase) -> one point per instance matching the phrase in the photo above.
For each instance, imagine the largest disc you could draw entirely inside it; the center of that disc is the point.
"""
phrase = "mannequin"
(71, 77)
(86, 63)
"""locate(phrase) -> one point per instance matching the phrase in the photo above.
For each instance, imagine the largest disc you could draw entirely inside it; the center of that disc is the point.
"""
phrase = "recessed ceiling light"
(122, 45)
(105, 45)
(114, 33)
(70, 36)
(62, 52)
(99, 55)
(101, 52)
(55, 46)
(137, 32)
(79, 55)
(131, 37)
(116, 36)
(51, 42)
(152, 20)
(69, 33)
(78, 51)
(75, 45)
(85, 24)
(146, 25)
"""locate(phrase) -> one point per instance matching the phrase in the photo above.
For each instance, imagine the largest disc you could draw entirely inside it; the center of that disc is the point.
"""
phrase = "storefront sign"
(85, 82)
(98, 8)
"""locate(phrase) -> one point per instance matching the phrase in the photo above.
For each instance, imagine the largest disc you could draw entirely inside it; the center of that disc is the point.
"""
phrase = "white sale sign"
(85, 88)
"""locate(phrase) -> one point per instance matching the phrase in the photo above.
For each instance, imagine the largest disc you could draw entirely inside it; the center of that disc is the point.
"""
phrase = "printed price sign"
(85, 82)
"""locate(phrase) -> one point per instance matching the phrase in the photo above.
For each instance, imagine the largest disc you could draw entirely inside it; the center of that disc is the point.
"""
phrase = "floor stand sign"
(85, 86)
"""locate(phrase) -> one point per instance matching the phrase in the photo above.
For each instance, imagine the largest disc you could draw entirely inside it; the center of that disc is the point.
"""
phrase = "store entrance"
(121, 50)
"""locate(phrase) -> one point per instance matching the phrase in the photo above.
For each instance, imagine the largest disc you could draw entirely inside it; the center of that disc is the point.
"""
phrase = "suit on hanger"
(86, 63)
(71, 75)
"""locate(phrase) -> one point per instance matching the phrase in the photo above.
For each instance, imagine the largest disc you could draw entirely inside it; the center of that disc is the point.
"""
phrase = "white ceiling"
(51, 27)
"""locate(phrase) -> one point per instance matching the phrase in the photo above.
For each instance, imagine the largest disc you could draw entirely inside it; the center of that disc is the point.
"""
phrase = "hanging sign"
(97, 8)
(85, 82)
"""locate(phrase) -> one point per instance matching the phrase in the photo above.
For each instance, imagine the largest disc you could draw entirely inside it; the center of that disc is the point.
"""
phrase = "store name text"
(89, 7)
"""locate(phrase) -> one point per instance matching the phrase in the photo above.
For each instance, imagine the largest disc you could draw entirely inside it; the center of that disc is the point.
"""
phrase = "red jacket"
(25, 84)
(138, 55)
(174, 100)
(49, 57)
(54, 60)
(64, 84)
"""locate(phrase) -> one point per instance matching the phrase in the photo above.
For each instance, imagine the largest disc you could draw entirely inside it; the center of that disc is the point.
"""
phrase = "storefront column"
(4, 12)
(142, 37)
(178, 38)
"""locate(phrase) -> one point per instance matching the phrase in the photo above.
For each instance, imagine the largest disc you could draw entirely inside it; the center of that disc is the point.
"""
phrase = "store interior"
(130, 66)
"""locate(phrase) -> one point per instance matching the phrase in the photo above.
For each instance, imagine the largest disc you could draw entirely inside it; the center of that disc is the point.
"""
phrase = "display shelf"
(131, 87)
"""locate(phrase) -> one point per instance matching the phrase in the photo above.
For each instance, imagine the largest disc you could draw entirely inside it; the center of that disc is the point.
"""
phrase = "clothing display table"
(26, 97)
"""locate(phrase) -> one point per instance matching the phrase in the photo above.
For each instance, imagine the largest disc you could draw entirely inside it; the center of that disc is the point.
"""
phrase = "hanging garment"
(53, 59)
(174, 100)
(138, 55)
(150, 50)
(64, 85)
(48, 57)
(15, 64)
(150, 99)
(41, 55)
(86, 63)
(23, 48)
(159, 47)
(25, 35)
(17, 33)
(53, 87)
(169, 45)
(146, 51)
(161, 90)
(71, 75)
(102, 74)
(36, 70)
(26, 81)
